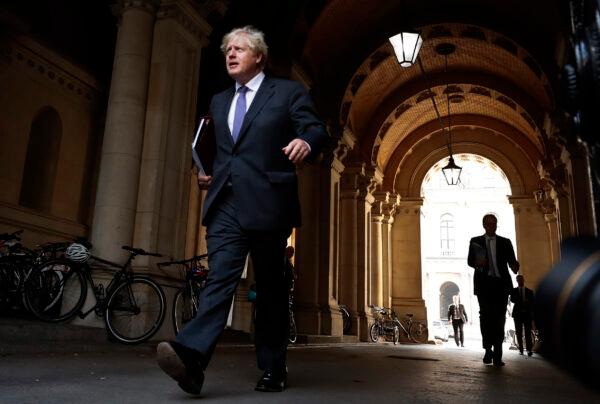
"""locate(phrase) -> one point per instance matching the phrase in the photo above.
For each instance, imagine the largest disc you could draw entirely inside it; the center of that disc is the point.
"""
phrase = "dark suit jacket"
(264, 182)
(462, 312)
(505, 254)
(522, 310)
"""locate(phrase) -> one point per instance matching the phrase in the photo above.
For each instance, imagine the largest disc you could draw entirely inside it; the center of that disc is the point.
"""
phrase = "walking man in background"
(458, 316)
(523, 299)
(264, 127)
(491, 255)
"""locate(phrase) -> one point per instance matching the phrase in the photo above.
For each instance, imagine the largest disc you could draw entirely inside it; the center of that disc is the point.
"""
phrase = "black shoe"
(520, 352)
(529, 353)
(462, 345)
(272, 382)
(487, 358)
(182, 364)
(499, 364)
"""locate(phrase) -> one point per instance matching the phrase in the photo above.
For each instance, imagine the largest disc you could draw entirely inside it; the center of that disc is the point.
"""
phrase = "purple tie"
(240, 111)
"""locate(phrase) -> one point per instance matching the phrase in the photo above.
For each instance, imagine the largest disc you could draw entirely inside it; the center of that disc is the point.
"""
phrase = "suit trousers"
(228, 246)
(493, 299)
(520, 322)
(459, 334)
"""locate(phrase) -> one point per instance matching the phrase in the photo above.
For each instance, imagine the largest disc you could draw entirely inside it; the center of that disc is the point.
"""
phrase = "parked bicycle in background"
(387, 324)
(17, 263)
(185, 301)
(133, 306)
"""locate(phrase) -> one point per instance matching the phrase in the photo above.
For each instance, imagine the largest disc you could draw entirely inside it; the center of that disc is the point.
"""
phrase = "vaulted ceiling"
(503, 75)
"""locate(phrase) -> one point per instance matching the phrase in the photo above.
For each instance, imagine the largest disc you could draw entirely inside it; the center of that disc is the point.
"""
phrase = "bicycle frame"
(100, 292)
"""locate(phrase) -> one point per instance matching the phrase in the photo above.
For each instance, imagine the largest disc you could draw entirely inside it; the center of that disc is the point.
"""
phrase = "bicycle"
(414, 330)
(293, 330)
(346, 320)
(293, 333)
(17, 264)
(133, 306)
(386, 325)
(185, 301)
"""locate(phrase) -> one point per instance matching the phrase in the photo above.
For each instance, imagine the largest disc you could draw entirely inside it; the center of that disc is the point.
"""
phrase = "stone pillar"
(533, 239)
(386, 236)
(407, 295)
(376, 297)
(379, 249)
(308, 245)
(116, 196)
(355, 261)
(168, 191)
(582, 190)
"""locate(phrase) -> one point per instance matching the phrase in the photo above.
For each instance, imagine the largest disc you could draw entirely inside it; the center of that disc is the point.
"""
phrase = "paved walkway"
(355, 373)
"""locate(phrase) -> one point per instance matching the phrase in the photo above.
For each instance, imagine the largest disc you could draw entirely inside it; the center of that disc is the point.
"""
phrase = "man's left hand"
(297, 150)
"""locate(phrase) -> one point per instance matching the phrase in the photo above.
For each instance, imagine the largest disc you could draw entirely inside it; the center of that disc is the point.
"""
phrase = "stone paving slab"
(347, 373)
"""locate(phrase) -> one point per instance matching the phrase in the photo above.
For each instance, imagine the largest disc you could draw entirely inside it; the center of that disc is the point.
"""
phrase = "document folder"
(204, 146)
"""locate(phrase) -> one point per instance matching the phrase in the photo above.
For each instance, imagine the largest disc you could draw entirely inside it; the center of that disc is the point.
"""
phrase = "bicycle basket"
(77, 253)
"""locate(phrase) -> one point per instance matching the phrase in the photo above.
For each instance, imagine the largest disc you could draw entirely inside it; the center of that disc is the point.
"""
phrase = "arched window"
(37, 186)
(447, 234)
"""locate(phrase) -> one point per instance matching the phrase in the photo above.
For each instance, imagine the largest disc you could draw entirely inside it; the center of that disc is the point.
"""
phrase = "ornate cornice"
(28, 56)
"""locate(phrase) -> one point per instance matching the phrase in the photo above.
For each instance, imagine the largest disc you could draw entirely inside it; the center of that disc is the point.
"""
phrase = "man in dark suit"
(524, 300)
(458, 316)
(491, 255)
(263, 127)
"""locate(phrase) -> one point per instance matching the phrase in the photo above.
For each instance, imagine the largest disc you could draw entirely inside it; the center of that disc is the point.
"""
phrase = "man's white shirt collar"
(254, 83)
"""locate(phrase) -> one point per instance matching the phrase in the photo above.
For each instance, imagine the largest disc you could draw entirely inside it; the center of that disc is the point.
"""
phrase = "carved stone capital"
(182, 12)
(121, 6)
(356, 177)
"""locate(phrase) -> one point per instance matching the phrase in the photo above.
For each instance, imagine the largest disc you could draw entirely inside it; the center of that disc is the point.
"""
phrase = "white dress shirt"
(494, 263)
(253, 86)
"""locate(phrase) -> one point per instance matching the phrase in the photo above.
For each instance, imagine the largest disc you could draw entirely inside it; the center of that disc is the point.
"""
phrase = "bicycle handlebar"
(140, 251)
(181, 262)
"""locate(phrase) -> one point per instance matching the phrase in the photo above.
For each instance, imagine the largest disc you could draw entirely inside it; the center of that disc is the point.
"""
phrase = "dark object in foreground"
(568, 310)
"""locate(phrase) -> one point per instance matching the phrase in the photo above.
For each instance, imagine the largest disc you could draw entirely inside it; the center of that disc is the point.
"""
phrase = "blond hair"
(256, 41)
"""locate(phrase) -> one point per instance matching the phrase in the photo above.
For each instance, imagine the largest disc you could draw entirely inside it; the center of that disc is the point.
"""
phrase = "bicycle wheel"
(374, 332)
(418, 332)
(135, 310)
(396, 334)
(184, 308)
(293, 336)
(55, 291)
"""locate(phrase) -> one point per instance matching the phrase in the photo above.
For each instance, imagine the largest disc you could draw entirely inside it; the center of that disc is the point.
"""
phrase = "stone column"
(167, 178)
(379, 265)
(389, 209)
(355, 261)
(533, 240)
(407, 295)
(582, 190)
(376, 297)
(308, 245)
(116, 196)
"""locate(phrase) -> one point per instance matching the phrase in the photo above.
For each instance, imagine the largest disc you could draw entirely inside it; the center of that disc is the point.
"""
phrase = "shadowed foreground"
(317, 374)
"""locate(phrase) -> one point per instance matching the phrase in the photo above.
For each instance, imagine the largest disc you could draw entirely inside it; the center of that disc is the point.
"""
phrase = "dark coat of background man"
(524, 306)
(264, 127)
(491, 255)
(458, 316)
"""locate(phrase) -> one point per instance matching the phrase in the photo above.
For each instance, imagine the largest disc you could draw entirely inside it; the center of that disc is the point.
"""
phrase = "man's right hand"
(204, 181)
